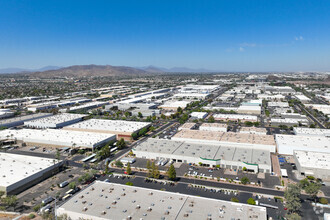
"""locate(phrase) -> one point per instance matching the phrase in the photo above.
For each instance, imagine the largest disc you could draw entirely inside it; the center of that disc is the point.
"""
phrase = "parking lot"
(267, 180)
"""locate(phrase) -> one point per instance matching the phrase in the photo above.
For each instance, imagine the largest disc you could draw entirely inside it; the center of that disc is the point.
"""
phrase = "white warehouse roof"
(286, 144)
(315, 160)
(110, 125)
(311, 131)
(103, 200)
(58, 137)
(15, 168)
(54, 121)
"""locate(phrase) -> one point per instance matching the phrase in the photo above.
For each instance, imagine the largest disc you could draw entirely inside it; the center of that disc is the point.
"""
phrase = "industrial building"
(314, 164)
(174, 105)
(6, 113)
(102, 200)
(17, 121)
(286, 144)
(249, 109)
(311, 131)
(213, 127)
(58, 138)
(235, 117)
(123, 129)
(87, 106)
(194, 96)
(198, 115)
(55, 121)
(19, 172)
(187, 125)
(210, 155)
(302, 98)
(230, 139)
(253, 130)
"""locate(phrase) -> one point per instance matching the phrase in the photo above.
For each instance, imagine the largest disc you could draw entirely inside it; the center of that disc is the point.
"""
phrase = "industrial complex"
(103, 200)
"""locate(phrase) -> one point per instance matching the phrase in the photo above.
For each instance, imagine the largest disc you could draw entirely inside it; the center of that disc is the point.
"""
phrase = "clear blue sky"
(227, 35)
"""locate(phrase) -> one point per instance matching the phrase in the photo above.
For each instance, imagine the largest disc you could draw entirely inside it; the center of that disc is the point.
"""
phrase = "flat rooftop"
(212, 125)
(314, 143)
(103, 200)
(253, 129)
(109, 125)
(16, 167)
(206, 151)
(315, 160)
(23, 118)
(226, 137)
(312, 131)
(57, 137)
(174, 104)
(187, 125)
(58, 119)
(236, 116)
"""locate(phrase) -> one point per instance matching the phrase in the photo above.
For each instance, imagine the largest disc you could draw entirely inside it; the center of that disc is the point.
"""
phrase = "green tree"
(245, 180)
(121, 144)
(134, 136)
(129, 184)
(171, 173)
(234, 199)
(140, 115)
(179, 110)
(58, 154)
(248, 123)
(148, 164)
(251, 201)
(293, 216)
(313, 189)
(292, 196)
(162, 116)
(72, 185)
(211, 119)
(128, 169)
(10, 201)
(106, 169)
(119, 164)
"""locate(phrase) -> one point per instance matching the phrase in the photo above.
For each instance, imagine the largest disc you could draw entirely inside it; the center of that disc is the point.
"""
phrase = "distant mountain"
(90, 70)
(175, 70)
(22, 70)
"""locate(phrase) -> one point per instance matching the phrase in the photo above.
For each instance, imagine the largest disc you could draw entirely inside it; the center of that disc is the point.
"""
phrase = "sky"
(221, 35)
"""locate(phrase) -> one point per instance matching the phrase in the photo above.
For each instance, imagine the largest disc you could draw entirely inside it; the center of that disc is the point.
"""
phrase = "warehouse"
(6, 113)
(253, 130)
(304, 99)
(198, 115)
(249, 109)
(123, 129)
(195, 96)
(311, 131)
(313, 164)
(19, 172)
(235, 117)
(207, 154)
(87, 106)
(58, 138)
(286, 144)
(174, 105)
(188, 126)
(102, 200)
(289, 121)
(230, 139)
(17, 121)
(213, 127)
(55, 121)
(278, 104)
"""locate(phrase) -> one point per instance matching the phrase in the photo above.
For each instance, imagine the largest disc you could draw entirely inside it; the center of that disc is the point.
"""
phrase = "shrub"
(234, 199)
(31, 216)
(129, 183)
(323, 201)
(251, 201)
